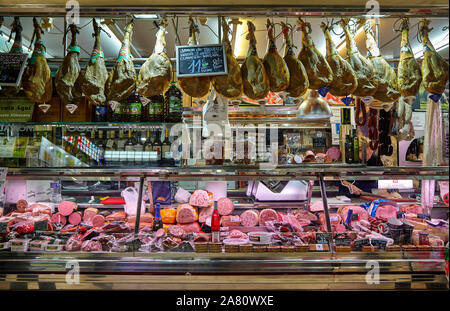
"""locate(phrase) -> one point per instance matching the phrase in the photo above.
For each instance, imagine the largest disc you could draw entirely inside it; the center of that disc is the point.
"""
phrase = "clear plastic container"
(55, 192)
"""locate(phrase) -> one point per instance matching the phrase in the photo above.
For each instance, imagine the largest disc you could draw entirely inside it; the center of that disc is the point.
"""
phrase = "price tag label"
(343, 242)
(322, 238)
(201, 60)
(41, 226)
(3, 227)
(383, 228)
(319, 247)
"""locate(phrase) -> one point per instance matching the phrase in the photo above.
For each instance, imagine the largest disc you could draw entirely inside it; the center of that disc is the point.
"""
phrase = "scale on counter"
(271, 190)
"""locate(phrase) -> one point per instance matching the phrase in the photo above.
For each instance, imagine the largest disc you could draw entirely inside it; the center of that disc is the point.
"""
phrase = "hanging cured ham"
(95, 76)
(16, 27)
(434, 67)
(122, 78)
(298, 78)
(194, 86)
(365, 73)
(68, 72)
(274, 64)
(229, 85)
(154, 76)
(254, 75)
(387, 78)
(409, 75)
(344, 79)
(319, 72)
(37, 78)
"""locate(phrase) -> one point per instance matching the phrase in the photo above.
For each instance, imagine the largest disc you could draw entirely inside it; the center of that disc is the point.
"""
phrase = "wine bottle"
(157, 224)
(355, 147)
(215, 224)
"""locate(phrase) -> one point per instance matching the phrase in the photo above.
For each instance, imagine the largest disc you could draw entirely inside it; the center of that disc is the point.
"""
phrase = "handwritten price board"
(12, 67)
(201, 60)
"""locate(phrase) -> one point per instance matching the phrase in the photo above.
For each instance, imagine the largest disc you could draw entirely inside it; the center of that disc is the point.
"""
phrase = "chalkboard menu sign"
(12, 67)
(201, 60)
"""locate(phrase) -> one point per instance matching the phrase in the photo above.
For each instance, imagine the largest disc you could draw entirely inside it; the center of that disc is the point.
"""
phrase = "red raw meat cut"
(199, 198)
(362, 213)
(249, 218)
(186, 214)
(176, 231)
(225, 206)
(75, 218)
(230, 221)
(412, 209)
(335, 219)
(191, 228)
(66, 208)
(267, 215)
(117, 216)
(385, 212)
(205, 213)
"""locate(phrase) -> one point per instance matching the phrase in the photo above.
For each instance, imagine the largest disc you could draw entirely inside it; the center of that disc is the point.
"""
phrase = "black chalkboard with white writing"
(201, 60)
(11, 68)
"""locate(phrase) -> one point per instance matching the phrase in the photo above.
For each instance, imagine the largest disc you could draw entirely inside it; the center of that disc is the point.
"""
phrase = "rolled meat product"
(73, 244)
(58, 218)
(334, 153)
(91, 246)
(205, 213)
(160, 233)
(186, 214)
(117, 216)
(41, 209)
(176, 231)
(225, 206)
(66, 208)
(267, 215)
(249, 218)
(199, 198)
(98, 221)
(320, 157)
(89, 213)
(230, 221)
(147, 218)
(75, 218)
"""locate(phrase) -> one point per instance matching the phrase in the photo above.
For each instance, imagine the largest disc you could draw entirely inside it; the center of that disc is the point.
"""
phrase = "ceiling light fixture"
(146, 16)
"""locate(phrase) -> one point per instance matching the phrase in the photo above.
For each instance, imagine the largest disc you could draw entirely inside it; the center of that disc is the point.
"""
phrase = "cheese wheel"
(66, 208)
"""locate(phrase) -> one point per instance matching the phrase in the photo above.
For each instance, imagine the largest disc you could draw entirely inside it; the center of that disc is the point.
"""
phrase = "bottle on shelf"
(174, 103)
(134, 107)
(157, 224)
(157, 145)
(348, 149)
(129, 148)
(148, 146)
(91, 150)
(165, 147)
(356, 158)
(215, 225)
(100, 113)
(101, 145)
(156, 109)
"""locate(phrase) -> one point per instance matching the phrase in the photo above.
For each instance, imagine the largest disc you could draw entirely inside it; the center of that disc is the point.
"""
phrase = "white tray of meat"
(38, 245)
(235, 241)
(4, 246)
(19, 245)
(54, 248)
(260, 238)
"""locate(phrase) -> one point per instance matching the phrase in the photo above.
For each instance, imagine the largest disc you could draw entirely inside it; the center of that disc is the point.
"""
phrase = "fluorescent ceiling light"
(238, 40)
(146, 16)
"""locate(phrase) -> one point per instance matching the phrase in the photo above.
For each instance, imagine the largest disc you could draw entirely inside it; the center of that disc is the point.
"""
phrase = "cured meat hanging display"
(274, 64)
(319, 72)
(37, 78)
(95, 75)
(434, 68)
(387, 78)
(344, 78)
(298, 77)
(122, 77)
(155, 74)
(373, 128)
(194, 86)
(365, 74)
(68, 72)
(254, 75)
(229, 85)
(409, 75)
(405, 125)
(16, 48)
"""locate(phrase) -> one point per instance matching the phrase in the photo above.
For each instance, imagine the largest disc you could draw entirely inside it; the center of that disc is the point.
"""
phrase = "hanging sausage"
(298, 78)
(229, 85)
